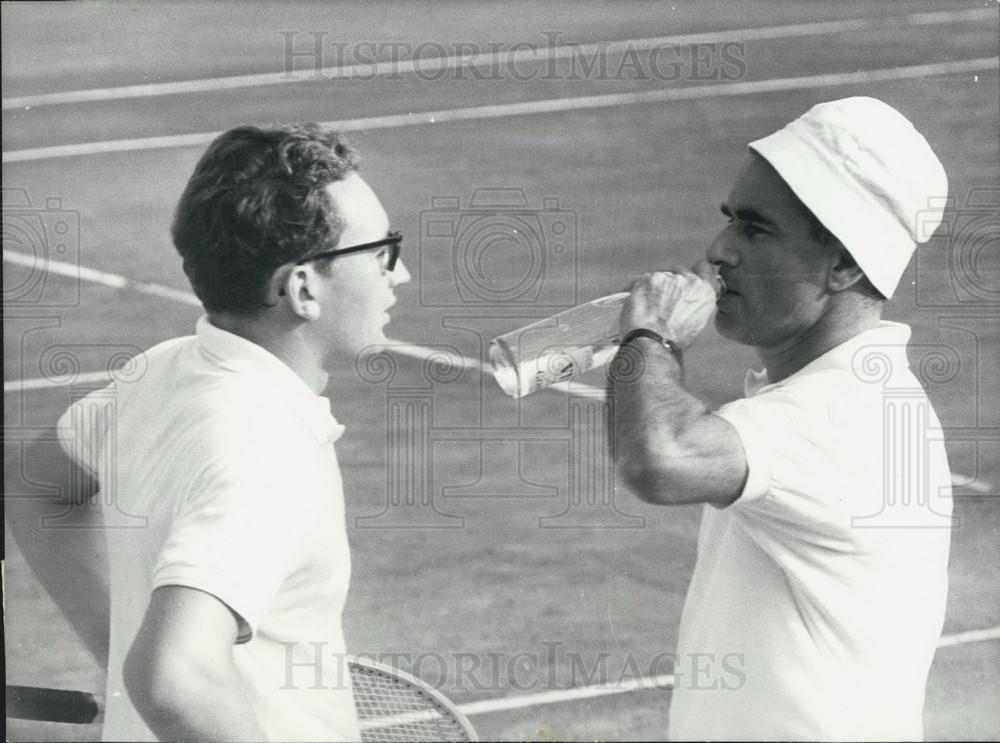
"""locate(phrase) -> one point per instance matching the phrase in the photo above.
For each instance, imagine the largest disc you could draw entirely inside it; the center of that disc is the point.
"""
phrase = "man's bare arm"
(60, 534)
(180, 673)
(666, 444)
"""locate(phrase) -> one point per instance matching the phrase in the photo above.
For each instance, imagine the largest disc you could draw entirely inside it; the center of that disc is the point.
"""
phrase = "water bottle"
(559, 348)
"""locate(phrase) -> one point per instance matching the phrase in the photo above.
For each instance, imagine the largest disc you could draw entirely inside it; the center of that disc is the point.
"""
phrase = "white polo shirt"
(818, 596)
(218, 472)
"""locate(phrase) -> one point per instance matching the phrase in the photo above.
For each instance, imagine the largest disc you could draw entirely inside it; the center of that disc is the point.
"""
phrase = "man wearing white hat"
(822, 562)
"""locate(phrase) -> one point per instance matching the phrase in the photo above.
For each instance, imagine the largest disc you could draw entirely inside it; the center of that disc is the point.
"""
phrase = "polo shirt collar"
(890, 337)
(237, 354)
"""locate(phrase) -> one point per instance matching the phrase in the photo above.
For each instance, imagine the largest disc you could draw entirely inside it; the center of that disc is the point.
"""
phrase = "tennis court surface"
(493, 555)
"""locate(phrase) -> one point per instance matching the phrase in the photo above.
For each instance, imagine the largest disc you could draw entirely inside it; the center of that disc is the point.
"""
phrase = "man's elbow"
(648, 477)
(665, 477)
(157, 684)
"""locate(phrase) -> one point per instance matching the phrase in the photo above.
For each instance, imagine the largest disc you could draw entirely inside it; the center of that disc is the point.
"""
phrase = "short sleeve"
(83, 429)
(240, 532)
(752, 423)
(798, 471)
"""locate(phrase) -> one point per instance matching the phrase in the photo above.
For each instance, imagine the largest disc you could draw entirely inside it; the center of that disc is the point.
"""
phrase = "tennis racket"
(392, 706)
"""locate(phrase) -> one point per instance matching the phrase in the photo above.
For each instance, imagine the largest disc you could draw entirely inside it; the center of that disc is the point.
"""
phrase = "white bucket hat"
(868, 175)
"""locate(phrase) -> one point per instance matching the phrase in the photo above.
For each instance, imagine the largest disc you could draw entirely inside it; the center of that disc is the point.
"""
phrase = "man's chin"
(729, 328)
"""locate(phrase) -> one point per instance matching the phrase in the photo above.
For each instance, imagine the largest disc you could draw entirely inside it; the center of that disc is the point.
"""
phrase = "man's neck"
(832, 329)
(287, 345)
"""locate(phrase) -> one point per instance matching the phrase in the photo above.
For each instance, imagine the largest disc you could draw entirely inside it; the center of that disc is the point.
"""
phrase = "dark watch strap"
(653, 335)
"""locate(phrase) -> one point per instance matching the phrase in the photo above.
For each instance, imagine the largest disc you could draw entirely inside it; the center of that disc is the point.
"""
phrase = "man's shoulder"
(178, 373)
(186, 396)
(240, 404)
(839, 392)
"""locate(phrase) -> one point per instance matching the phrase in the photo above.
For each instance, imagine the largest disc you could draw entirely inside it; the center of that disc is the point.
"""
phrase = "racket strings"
(392, 709)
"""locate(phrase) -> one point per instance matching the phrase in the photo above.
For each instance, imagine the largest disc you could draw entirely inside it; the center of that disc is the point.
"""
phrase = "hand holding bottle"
(677, 305)
(562, 347)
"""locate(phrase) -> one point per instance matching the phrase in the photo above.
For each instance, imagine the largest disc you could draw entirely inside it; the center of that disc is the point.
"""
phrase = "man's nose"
(399, 274)
(721, 250)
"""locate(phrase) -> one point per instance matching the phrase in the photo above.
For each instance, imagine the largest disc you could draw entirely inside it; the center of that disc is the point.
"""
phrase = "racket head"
(394, 705)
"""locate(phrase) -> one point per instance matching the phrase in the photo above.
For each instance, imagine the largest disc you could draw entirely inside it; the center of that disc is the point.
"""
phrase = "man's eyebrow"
(747, 215)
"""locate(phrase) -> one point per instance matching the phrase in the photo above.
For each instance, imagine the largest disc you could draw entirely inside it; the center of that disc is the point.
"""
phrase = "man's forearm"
(180, 672)
(651, 409)
(193, 702)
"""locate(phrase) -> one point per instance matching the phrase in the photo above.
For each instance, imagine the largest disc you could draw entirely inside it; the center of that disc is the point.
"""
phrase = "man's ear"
(844, 271)
(296, 288)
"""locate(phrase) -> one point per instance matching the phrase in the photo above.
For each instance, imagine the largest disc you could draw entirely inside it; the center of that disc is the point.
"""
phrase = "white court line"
(435, 354)
(432, 65)
(972, 635)
(978, 486)
(61, 380)
(476, 113)
(116, 281)
(662, 681)
(555, 696)
(61, 268)
(625, 686)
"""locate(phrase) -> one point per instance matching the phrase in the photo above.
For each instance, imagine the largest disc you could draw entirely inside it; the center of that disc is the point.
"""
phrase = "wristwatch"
(653, 335)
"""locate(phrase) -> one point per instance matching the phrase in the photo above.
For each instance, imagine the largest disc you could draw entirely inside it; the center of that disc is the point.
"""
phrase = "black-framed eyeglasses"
(392, 241)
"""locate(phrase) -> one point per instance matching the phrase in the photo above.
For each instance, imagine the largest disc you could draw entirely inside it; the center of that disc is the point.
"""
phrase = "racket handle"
(52, 705)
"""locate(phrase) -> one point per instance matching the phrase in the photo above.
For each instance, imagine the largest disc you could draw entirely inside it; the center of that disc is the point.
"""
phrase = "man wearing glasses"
(225, 605)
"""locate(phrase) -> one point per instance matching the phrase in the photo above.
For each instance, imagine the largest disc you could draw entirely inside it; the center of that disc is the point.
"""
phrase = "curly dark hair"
(257, 200)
